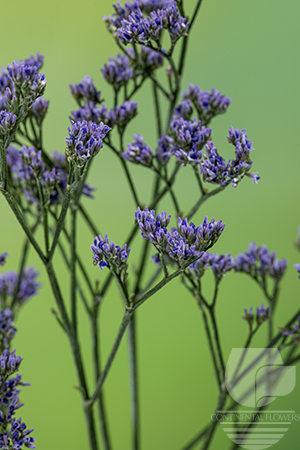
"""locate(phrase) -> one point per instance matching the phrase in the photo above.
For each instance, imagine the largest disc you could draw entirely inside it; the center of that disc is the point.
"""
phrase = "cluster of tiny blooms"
(26, 164)
(20, 87)
(118, 71)
(14, 433)
(27, 286)
(138, 152)
(260, 262)
(216, 170)
(164, 148)
(108, 254)
(3, 257)
(122, 12)
(139, 28)
(85, 140)
(26, 79)
(220, 265)
(7, 328)
(119, 116)
(190, 138)
(39, 110)
(85, 91)
(207, 104)
(297, 267)
(294, 332)
(262, 314)
(183, 243)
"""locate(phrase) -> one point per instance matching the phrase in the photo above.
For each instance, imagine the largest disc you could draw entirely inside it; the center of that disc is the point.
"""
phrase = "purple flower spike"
(39, 109)
(165, 145)
(138, 152)
(262, 314)
(139, 28)
(260, 262)
(294, 332)
(248, 315)
(214, 169)
(85, 91)
(7, 123)
(297, 267)
(27, 80)
(207, 104)
(108, 254)
(117, 72)
(28, 284)
(7, 329)
(3, 257)
(190, 138)
(183, 243)
(14, 432)
(85, 140)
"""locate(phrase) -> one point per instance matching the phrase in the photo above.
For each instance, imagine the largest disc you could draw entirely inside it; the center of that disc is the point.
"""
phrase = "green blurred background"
(250, 52)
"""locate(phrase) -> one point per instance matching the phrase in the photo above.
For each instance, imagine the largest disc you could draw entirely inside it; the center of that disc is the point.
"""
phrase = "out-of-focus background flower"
(250, 52)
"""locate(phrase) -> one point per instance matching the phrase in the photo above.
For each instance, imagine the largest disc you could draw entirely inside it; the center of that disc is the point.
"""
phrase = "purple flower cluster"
(137, 28)
(39, 110)
(117, 72)
(3, 257)
(108, 254)
(25, 164)
(149, 59)
(183, 243)
(138, 152)
(164, 149)
(85, 140)
(260, 262)
(122, 12)
(7, 329)
(85, 91)
(220, 265)
(27, 80)
(207, 104)
(36, 61)
(27, 288)
(14, 432)
(214, 169)
(190, 138)
(297, 267)
(119, 116)
(7, 123)
(293, 332)
(262, 314)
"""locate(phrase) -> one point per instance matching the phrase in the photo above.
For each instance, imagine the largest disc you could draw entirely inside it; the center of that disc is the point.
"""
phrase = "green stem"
(64, 209)
(22, 221)
(73, 270)
(24, 253)
(210, 343)
(126, 319)
(157, 108)
(211, 429)
(217, 343)
(97, 369)
(203, 199)
(134, 382)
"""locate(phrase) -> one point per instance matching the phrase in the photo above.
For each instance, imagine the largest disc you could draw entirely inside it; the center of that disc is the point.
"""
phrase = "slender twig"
(157, 108)
(203, 199)
(24, 254)
(73, 269)
(22, 221)
(134, 382)
(97, 369)
(210, 343)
